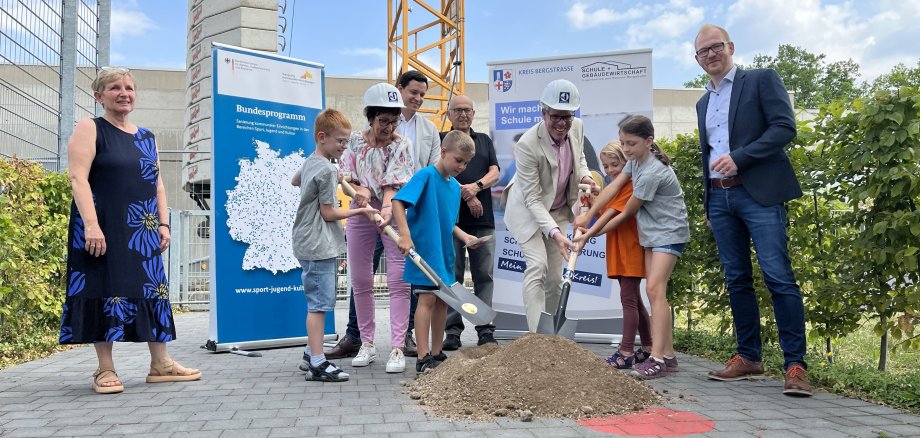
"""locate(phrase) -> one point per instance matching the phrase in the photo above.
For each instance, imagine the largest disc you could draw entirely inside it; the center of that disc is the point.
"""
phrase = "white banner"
(612, 85)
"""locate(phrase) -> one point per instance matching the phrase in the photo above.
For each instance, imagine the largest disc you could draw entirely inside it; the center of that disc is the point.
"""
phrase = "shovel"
(559, 324)
(456, 296)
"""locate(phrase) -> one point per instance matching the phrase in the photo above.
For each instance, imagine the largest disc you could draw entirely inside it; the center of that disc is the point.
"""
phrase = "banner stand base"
(242, 347)
(590, 338)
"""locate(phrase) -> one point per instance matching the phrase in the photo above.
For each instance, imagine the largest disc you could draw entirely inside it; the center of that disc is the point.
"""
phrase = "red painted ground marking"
(652, 422)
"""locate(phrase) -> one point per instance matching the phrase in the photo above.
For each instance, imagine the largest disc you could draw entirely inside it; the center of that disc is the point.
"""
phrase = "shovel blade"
(546, 326)
(469, 305)
(568, 329)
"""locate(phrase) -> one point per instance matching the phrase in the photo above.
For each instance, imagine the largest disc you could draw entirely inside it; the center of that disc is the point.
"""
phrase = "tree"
(808, 75)
(899, 76)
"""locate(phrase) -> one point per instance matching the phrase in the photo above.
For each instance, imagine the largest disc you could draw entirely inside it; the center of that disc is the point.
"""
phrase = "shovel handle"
(350, 191)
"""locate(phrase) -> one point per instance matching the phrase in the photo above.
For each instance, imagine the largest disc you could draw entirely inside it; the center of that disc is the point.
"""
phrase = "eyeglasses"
(386, 123)
(556, 119)
(466, 111)
(715, 48)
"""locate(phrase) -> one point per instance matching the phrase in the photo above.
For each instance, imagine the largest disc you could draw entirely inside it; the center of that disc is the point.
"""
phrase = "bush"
(34, 210)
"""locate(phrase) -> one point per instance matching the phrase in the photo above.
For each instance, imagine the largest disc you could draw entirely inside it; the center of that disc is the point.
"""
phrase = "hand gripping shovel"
(561, 325)
(456, 296)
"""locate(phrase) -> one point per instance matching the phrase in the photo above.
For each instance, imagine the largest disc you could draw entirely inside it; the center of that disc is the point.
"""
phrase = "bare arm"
(332, 214)
(632, 206)
(81, 150)
(162, 209)
(295, 180)
(405, 237)
(602, 199)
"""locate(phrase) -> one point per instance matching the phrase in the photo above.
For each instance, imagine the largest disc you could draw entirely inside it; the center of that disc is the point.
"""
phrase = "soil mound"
(536, 375)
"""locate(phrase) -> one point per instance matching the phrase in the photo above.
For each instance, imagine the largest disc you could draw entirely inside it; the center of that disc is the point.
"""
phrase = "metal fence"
(49, 54)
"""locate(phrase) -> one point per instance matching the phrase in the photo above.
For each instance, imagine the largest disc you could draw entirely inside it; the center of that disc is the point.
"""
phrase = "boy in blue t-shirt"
(426, 210)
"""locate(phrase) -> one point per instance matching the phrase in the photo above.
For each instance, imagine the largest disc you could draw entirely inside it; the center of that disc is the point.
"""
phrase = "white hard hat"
(383, 94)
(561, 95)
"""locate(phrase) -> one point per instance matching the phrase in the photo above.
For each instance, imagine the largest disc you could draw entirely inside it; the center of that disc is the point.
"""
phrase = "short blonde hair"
(614, 149)
(108, 75)
(709, 26)
(328, 121)
(459, 141)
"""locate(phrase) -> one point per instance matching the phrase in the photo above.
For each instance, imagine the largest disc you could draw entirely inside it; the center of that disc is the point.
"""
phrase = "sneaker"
(326, 372)
(397, 361)
(650, 369)
(346, 347)
(486, 338)
(670, 364)
(738, 368)
(437, 359)
(452, 342)
(796, 383)
(305, 364)
(424, 364)
(410, 350)
(366, 355)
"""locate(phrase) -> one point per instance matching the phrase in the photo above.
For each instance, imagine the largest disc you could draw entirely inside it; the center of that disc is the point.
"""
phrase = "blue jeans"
(737, 219)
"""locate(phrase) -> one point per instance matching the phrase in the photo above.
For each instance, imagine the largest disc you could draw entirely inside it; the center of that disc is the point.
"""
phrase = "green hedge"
(34, 209)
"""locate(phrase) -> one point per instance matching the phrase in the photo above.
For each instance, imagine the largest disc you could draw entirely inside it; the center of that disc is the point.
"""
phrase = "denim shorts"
(674, 249)
(319, 284)
(423, 289)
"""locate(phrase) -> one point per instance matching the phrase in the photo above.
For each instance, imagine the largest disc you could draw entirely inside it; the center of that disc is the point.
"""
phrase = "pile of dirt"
(536, 375)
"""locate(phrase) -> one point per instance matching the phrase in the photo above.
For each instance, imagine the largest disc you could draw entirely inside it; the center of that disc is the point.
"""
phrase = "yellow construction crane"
(434, 46)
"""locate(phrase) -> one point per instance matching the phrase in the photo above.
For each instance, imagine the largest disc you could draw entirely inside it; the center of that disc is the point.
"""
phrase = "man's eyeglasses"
(715, 48)
(386, 123)
(466, 111)
(556, 119)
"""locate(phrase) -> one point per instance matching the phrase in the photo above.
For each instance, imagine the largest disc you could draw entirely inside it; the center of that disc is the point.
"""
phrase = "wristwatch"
(479, 184)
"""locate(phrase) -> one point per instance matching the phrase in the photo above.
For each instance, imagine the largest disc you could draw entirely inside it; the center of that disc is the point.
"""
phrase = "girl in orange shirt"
(626, 263)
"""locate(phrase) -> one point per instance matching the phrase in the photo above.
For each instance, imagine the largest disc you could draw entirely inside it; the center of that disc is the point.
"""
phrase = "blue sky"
(349, 36)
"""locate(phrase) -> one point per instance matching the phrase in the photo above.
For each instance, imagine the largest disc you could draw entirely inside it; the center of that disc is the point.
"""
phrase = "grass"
(852, 373)
(28, 342)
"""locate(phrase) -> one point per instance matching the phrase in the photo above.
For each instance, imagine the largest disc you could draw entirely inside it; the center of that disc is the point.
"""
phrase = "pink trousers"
(361, 235)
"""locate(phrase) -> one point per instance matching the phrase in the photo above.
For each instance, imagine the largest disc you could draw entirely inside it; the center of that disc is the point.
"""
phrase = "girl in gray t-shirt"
(661, 216)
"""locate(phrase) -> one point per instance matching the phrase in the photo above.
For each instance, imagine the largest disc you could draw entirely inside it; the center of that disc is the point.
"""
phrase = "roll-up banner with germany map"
(612, 85)
(264, 109)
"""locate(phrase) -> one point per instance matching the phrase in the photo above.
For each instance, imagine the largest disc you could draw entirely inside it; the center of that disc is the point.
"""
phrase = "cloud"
(581, 18)
(366, 51)
(876, 34)
(127, 22)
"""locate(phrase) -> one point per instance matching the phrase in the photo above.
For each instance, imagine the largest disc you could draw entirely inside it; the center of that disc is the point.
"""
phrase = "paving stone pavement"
(267, 396)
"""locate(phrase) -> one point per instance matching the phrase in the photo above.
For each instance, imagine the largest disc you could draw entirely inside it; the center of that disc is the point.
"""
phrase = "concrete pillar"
(68, 78)
(251, 24)
(103, 39)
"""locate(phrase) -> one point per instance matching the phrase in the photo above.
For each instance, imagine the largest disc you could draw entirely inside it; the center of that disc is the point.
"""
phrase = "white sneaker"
(397, 362)
(366, 355)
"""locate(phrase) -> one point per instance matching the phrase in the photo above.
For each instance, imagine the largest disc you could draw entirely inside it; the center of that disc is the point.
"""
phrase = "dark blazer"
(760, 125)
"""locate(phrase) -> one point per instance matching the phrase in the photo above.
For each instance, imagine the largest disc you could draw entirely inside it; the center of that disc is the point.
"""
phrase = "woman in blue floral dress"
(119, 225)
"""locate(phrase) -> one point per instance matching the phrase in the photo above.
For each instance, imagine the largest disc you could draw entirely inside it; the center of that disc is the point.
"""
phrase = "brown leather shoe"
(346, 347)
(410, 349)
(796, 382)
(738, 368)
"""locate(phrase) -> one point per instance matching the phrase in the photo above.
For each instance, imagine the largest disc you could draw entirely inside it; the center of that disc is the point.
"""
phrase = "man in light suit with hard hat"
(550, 165)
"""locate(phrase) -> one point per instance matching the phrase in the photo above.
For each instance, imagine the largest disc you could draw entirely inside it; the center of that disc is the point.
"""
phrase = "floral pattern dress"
(122, 295)
(375, 168)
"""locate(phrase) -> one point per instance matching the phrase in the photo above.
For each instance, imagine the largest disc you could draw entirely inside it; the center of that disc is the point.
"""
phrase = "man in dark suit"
(745, 122)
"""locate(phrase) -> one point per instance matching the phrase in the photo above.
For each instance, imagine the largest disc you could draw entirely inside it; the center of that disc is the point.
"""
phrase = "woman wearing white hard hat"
(379, 163)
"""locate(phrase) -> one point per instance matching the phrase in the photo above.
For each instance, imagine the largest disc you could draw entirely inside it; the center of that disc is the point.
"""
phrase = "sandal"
(101, 376)
(650, 369)
(170, 372)
(323, 374)
(642, 355)
(621, 361)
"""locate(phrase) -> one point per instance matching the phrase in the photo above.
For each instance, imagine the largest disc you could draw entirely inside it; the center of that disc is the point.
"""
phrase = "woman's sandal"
(101, 377)
(620, 361)
(170, 372)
